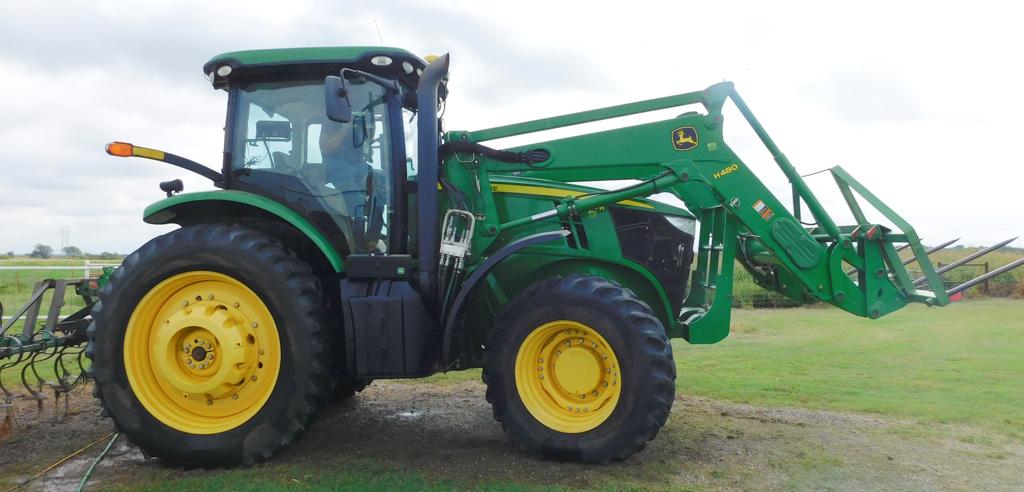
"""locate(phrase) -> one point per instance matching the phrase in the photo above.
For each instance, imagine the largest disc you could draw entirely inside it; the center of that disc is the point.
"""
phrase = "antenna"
(65, 240)
(379, 37)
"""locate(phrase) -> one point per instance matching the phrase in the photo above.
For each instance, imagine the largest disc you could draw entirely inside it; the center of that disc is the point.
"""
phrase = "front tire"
(577, 368)
(208, 347)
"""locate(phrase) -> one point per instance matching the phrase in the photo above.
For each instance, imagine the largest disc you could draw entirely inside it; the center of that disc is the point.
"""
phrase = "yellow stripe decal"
(147, 153)
(554, 192)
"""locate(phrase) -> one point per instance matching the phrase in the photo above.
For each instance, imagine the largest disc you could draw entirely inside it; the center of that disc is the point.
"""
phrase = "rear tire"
(577, 368)
(208, 347)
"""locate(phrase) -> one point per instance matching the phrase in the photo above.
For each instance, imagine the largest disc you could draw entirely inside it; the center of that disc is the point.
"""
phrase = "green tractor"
(351, 239)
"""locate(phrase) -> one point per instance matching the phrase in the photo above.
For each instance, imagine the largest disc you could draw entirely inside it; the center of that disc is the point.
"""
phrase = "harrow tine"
(37, 357)
(971, 283)
(966, 259)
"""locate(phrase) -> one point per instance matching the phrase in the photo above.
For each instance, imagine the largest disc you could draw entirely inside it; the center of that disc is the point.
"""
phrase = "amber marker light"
(120, 149)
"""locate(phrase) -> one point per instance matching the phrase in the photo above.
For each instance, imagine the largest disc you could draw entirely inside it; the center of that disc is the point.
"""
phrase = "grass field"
(963, 364)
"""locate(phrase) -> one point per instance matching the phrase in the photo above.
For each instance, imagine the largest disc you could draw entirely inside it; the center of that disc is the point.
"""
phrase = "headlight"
(684, 224)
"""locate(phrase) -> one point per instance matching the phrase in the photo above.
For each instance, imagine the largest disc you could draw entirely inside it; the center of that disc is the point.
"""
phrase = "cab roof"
(314, 62)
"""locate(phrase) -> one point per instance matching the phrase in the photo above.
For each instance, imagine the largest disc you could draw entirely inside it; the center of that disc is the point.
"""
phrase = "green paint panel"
(795, 241)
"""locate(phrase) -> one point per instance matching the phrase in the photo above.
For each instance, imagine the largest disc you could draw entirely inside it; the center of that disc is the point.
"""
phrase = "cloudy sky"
(921, 101)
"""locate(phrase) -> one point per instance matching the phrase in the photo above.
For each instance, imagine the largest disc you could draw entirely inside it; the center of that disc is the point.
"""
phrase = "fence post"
(985, 286)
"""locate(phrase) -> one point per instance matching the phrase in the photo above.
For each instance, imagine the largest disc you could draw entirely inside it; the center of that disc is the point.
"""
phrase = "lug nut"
(209, 402)
(209, 297)
(255, 324)
(236, 304)
(234, 396)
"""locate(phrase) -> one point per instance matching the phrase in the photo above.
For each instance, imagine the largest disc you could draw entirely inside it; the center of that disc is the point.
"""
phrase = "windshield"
(284, 143)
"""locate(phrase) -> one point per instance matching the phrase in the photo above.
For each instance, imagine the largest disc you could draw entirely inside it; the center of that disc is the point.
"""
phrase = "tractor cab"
(346, 177)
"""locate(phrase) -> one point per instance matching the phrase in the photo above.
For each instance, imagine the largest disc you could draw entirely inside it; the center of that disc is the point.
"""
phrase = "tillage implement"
(351, 239)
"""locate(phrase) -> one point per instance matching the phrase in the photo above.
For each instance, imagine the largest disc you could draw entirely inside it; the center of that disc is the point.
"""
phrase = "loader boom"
(740, 218)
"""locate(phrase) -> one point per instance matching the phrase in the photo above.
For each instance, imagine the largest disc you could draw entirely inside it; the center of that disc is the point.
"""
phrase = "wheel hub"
(571, 382)
(202, 352)
(219, 348)
(579, 370)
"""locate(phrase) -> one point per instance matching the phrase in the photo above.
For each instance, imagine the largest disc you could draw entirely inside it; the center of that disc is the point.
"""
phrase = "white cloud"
(920, 101)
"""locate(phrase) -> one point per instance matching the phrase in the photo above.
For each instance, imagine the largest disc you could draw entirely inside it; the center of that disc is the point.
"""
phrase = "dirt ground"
(444, 432)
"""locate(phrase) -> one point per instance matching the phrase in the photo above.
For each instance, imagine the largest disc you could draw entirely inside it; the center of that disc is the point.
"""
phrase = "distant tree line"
(44, 251)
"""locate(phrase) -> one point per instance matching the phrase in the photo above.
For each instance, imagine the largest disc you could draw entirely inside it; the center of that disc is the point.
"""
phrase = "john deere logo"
(684, 138)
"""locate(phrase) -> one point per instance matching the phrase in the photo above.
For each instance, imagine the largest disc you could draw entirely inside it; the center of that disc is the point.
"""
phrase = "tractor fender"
(172, 210)
(479, 273)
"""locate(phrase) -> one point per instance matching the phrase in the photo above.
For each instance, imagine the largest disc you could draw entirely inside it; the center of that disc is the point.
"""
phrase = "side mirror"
(336, 101)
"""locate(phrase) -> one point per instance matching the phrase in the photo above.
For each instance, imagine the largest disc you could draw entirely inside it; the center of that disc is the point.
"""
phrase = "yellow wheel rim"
(202, 352)
(568, 376)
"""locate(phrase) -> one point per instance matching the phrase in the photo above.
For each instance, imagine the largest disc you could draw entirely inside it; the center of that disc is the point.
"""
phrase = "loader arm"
(740, 218)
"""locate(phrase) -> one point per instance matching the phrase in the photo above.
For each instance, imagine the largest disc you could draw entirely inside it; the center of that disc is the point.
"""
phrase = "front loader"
(352, 239)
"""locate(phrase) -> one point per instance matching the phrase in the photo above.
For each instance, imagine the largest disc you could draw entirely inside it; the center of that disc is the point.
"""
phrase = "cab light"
(683, 224)
(381, 60)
